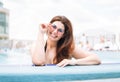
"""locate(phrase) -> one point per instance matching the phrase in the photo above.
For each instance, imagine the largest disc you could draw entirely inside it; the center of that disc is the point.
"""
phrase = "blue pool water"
(20, 58)
(109, 56)
(15, 58)
(3, 57)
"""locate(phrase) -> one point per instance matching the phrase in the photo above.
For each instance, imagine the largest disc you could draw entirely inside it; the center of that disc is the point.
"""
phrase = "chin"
(53, 39)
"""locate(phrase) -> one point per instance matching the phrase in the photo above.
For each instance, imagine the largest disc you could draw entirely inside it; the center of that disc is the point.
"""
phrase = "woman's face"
(56, 31)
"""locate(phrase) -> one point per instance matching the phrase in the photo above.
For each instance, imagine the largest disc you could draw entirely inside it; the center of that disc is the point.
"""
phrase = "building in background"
(4, 22)
(98, 39)
(4, 27)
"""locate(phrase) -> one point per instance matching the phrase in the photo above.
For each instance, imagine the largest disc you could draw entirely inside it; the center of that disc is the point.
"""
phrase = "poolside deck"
(54, 73)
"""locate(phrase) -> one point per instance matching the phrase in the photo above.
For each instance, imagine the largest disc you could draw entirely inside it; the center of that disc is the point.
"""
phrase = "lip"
(52, 35)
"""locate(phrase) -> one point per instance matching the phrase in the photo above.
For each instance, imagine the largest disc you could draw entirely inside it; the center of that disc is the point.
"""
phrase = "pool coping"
(53, 73)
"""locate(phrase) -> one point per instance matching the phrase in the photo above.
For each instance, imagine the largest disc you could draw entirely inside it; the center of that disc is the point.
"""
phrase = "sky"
(26, 15)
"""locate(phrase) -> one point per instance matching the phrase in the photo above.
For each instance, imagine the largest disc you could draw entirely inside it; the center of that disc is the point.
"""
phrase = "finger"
(65, 64)
(50, 27)
(62, 63)
(43, 26)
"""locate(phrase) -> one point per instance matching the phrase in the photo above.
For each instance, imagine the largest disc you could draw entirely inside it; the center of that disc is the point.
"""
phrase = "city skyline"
(26, 15)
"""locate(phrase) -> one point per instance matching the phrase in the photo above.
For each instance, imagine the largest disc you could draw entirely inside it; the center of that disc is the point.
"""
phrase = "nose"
(55, 31)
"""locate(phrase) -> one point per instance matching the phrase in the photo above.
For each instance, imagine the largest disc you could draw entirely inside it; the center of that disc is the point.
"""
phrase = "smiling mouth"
(52, 35)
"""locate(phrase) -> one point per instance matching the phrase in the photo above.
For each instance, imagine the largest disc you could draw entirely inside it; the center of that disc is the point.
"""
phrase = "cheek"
(51, 29)
(61, 35)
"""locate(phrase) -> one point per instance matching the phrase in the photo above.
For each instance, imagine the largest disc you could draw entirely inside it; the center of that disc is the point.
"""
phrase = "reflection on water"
(20, 57)
(109, 56)
(15, 57)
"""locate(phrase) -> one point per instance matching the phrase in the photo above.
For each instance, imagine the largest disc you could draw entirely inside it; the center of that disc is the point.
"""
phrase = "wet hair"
(65, 45)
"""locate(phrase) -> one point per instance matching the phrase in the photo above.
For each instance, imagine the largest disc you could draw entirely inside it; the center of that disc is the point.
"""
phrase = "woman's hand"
(44, 28)
(66, 62)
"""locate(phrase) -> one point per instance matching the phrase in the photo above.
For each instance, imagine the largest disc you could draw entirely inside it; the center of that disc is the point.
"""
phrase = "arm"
(81, 58)
(37, 50)
(85, 57)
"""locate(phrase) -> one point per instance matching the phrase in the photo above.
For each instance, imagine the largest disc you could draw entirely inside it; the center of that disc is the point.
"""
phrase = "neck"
(51, 44)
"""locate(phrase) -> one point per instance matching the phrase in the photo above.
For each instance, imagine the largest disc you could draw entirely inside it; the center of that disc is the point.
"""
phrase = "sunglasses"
(59, 30)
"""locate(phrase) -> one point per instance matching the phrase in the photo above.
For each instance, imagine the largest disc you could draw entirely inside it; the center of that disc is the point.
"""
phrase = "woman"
(59, 47)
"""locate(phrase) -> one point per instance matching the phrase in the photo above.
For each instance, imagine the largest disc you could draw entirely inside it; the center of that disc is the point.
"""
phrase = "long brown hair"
(66, 44)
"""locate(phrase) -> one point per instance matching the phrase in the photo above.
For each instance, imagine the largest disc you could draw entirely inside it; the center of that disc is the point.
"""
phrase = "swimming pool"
(15, 58)
(17, 67)
(109, 56)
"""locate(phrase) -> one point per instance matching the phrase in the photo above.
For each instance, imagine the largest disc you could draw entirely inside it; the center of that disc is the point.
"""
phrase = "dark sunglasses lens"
(54, 26)
(60, 30)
